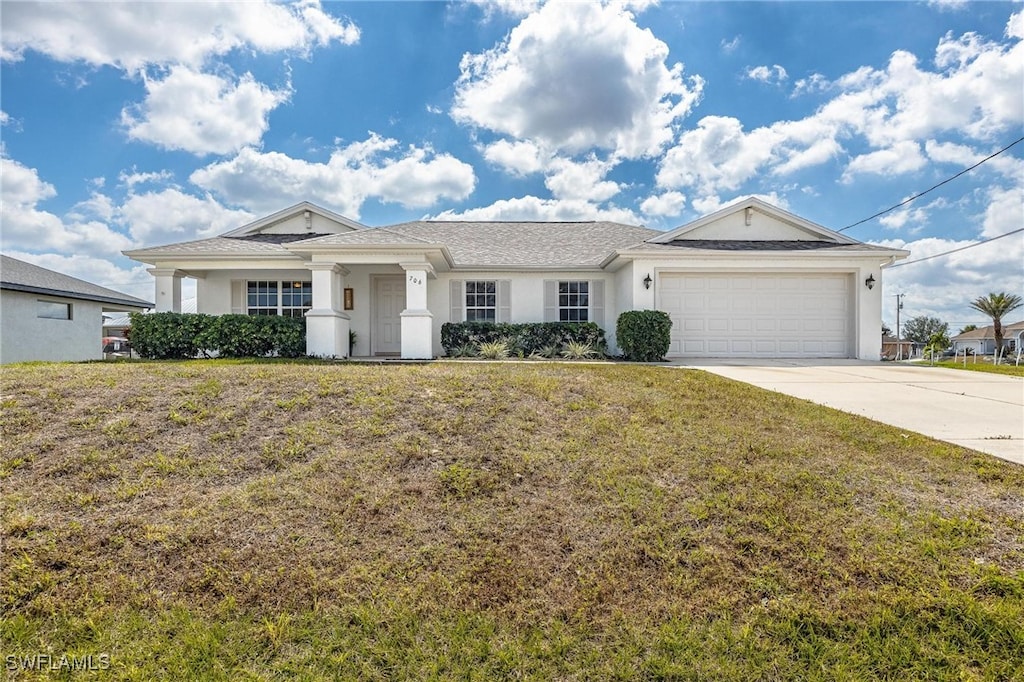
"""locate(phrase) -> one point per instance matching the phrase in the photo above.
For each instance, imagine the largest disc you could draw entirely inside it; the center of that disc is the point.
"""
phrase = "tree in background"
(921, 329)
(968, 328)
(885, 330)
(996, 306)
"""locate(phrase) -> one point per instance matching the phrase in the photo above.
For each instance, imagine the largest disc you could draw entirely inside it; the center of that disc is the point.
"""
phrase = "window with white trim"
(481, 301)
(574, 301)
(269, 297)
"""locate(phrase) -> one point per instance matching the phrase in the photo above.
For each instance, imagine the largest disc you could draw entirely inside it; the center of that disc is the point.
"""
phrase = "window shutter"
(504, 312)
(458, 301)
(238, 297)
(597, 302)
(551, 300)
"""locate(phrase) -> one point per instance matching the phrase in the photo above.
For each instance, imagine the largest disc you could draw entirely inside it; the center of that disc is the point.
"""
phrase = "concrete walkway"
(977, 410)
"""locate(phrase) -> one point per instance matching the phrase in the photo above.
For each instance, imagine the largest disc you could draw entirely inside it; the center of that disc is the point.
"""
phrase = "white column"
(417, 320)
(168, 289)
(327, 325)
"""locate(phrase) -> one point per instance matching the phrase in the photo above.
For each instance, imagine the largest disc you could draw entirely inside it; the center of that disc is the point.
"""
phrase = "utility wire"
(921, 194)
(962, 248)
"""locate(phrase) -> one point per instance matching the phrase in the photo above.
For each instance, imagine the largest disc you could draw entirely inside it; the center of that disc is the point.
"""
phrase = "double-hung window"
(481, 301)
(270, 297)
(574, 300)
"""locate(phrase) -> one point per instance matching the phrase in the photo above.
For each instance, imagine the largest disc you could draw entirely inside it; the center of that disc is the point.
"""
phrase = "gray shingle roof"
(17, 275)
(759, 245)
(524, 244)
(213, 245)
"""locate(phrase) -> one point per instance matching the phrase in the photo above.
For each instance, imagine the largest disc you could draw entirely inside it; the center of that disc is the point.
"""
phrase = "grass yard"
(216, 520)
(971, 366)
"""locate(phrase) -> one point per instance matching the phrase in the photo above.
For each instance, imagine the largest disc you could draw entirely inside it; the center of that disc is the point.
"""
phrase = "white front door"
(389, 302)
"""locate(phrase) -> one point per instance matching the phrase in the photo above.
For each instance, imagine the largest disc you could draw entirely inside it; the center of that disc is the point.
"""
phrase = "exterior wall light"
(647, 281)
(870, 282)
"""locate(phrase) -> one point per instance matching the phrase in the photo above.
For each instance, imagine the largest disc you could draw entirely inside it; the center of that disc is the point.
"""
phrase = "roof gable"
(302, 218)
(752, 219)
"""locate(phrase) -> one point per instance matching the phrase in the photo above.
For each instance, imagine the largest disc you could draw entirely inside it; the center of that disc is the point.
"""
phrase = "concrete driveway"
(977, 410)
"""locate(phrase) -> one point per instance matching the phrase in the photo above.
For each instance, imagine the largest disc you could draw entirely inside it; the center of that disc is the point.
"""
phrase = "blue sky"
(127, 125)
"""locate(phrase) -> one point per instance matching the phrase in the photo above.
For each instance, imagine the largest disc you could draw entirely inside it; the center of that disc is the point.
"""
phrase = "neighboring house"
(119, 325)
(45, 315)
(893, 348)
(750, 280)
(982, 341)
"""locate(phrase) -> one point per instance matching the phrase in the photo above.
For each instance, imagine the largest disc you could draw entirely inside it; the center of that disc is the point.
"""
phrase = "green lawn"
(981, 366)
(216, 520)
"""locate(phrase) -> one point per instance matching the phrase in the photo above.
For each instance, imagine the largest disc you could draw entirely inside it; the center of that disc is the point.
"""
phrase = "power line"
(921, 194)
(962, 248)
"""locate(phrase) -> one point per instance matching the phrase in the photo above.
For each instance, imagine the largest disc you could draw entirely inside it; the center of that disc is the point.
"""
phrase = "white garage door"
(769, 315)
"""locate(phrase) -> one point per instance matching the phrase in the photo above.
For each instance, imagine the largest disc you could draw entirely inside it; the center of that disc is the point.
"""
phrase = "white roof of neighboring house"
(17, 275)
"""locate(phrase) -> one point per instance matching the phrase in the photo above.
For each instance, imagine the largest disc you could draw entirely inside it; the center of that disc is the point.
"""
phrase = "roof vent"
(750, 215)
(309, 221)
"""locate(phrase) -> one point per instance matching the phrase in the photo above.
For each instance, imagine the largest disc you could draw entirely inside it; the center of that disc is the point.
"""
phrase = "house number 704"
(415, 280)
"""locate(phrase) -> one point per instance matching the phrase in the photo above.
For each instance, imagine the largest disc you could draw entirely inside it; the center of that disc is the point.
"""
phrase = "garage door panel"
(795, 315)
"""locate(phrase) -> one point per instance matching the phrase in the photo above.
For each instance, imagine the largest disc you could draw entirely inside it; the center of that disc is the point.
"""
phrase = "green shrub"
(493, 350)
(643, 335)
(255, 336)
(167, 336)
(522, 339)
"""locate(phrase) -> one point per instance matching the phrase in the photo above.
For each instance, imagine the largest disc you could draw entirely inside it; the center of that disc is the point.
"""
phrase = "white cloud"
(27, 226)
(716, 155)
(943, 287)
(536, 209)
(767, 74)
(370, 169)
(975, 92)
(903, 157)
(1004, 213)
(512, 8)
(133, 178)
(580, 180)
(574, 76)
(171, 215)
(948, 5)
(665, 204)
(135, 35)
(709, 204)
(519, 157)
(202, 113)
(813, 83)
(730, 46)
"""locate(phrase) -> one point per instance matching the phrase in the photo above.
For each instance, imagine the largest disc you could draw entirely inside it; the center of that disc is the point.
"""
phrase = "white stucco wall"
(25, 336)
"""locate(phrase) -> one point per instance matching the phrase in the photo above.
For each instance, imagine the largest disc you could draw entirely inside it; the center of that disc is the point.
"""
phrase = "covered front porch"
(351, 308)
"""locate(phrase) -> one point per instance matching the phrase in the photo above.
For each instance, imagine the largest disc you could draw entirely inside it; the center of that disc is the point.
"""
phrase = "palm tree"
(995, 306)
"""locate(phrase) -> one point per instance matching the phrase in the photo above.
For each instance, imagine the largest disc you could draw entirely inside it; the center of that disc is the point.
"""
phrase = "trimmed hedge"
(525, 338)
(643, 335)
(177, 336)
(167, 336)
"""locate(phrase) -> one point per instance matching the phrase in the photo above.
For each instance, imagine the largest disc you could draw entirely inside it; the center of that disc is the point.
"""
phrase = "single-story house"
(750, 280)
(982, 341)
(47, 315)
(893, 348)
